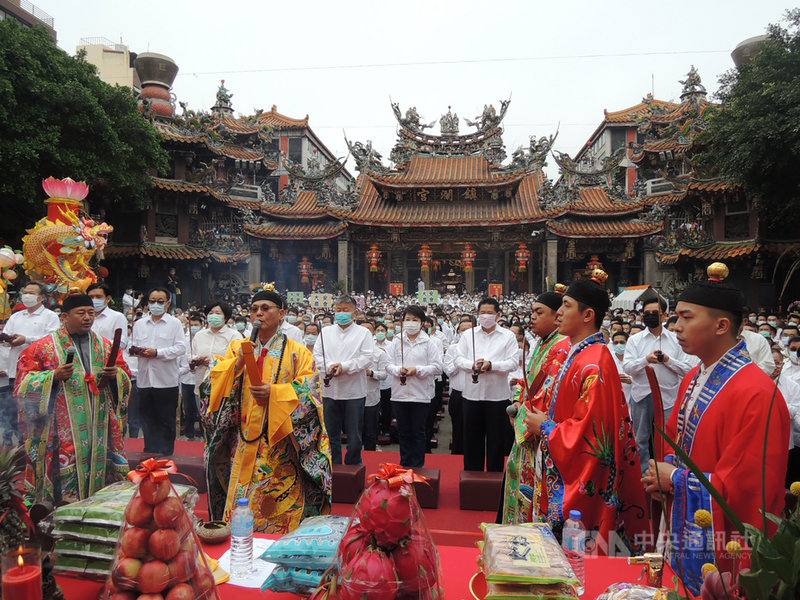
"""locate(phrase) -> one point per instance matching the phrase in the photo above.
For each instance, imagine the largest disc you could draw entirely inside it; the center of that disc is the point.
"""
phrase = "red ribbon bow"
(395, 475)
(156, 469)
(91, 381)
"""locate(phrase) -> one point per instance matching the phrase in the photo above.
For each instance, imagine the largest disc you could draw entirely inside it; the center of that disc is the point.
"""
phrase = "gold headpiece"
(560, 288)
(717, 271)
(599, 276)
(263, 287)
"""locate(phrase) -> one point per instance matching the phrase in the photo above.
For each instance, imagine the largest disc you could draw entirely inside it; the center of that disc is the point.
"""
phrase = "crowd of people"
(551, 389)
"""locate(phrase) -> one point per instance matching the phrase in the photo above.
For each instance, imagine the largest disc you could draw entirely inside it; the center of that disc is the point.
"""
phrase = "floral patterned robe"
(87, 426)
(283, 464)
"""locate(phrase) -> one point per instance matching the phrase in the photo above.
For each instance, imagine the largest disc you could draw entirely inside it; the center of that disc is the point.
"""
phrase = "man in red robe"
(720, 421)
(590, 454)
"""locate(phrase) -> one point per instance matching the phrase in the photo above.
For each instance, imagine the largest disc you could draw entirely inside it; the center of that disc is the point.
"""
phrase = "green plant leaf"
(759, 583)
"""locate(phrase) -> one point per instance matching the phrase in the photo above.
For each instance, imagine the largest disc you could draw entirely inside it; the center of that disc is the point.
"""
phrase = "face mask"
(380, 336)
(773, 323)
(412, 327)
(606, 323)
(390, 333)
(130, 317)
(98, 304)
(487, 321)
(766, 334)
(194, 329)
(760, 323)
(397, 328)
(794, 356)
(157, 309)
(30, 300)
(310, 339)
(440, 321)
(291, 319)
(751, 319)
(240, 326)
(527, 319)
(785, 340)
(215, 320)
(343, 318)
(619, 349)
(379, 320)
(652, 320)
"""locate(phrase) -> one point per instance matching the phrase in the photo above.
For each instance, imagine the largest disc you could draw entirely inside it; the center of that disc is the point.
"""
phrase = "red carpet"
(450, 525)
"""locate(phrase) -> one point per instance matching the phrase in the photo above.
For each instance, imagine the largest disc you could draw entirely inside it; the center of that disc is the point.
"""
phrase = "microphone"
(512, 410)
(254, 334)
(70, 356)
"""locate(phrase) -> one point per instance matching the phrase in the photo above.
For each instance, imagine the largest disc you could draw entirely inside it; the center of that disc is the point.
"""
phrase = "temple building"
(260, 198)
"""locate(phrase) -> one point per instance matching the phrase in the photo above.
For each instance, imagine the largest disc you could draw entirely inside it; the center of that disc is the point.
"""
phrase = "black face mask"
(651, 320)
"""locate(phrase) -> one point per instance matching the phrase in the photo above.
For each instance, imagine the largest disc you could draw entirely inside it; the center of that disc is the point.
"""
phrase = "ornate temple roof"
(601, 229)
(172, 252)
(443, 171)
(632, 114)
(304, 207)
(715, 251)
(296, 231)
(280, 121)
(596, 201)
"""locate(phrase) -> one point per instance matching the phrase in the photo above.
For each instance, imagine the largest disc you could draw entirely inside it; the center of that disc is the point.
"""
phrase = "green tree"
(755, 139)
(58, 118)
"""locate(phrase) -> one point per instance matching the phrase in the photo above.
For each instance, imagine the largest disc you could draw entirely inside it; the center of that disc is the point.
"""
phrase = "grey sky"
(560, 62)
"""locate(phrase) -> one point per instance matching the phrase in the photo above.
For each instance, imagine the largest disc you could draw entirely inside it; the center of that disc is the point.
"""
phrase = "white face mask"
(99, 304)
(29, 300)
(412, 327)
(487, 320)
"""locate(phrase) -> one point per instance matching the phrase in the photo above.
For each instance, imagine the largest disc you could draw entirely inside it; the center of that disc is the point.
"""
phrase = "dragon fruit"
(353, 543)
(415, 563)
(371, 575)
(386, 513)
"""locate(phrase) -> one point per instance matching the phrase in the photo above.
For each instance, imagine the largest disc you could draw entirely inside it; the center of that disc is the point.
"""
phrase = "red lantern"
(424, 256)
(468, 256)
(594, 263)
(523, 255)
(304, 267)
(374, 257)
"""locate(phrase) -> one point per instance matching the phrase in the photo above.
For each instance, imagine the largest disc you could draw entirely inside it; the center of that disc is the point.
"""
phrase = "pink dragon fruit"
(353, 543)
(369, 575)
(415, 564)
(386, 513)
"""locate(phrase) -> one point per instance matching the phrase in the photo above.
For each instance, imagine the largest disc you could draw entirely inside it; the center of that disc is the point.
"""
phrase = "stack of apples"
(158, 555)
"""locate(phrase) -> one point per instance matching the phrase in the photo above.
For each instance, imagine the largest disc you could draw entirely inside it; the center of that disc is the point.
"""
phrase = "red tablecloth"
(458, 566)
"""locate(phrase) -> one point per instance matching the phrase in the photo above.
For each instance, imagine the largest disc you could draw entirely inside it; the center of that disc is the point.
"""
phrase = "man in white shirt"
(25, 327)
(157, 340)
(342, 353)
(618, 343)
(290, 329)
(486, 365)
(759, 349)
(456, 376)
(792, 367)
(376, 374)
(107, 320)
(659, 348)
(127, 301)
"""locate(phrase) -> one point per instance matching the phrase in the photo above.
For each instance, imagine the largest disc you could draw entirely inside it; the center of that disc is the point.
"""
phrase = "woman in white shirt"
(414, 362)
(212, 341)
(382, 342)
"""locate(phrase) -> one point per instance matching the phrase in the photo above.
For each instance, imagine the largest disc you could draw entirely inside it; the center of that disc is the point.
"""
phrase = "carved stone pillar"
(469, 281)
(254, 268)
(649, 267)
(551, 254)
(343, 262)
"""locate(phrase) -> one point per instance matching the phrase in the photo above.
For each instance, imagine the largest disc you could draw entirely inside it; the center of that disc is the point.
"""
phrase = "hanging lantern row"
(523, 255)
(374, 257)
(468, 257)
(424, 256)
(304, 267)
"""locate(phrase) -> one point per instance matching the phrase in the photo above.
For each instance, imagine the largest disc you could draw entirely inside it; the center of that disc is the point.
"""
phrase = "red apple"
(152, 597)
(126, 573)
(153, 492)
(169, 513)
(139, 513)
(204, 584)
(164, 544)
(153, 577)
(134, 542)
(181, 567)
(182, 591)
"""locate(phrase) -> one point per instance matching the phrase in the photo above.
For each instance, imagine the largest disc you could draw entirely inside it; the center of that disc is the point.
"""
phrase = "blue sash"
(693, 546)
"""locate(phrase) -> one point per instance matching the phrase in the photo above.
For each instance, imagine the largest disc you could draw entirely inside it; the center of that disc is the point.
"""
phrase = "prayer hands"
(260, 393)
(663, 481)
(408, 371)
(482, 365)
(63, 372)
(657, 357)
(335, 370)
(148, 352)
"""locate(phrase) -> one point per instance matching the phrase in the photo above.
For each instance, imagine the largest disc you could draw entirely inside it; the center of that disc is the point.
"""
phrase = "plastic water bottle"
(573, 541)
(242, 539)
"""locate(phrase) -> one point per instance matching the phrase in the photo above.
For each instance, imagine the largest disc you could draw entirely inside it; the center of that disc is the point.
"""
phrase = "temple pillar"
(506, 272)
(343, 261)
(551, 256)
(254, 268)
(530, 275)
(649, 267)
(469, 280)
(426, 278)
(497, 271)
